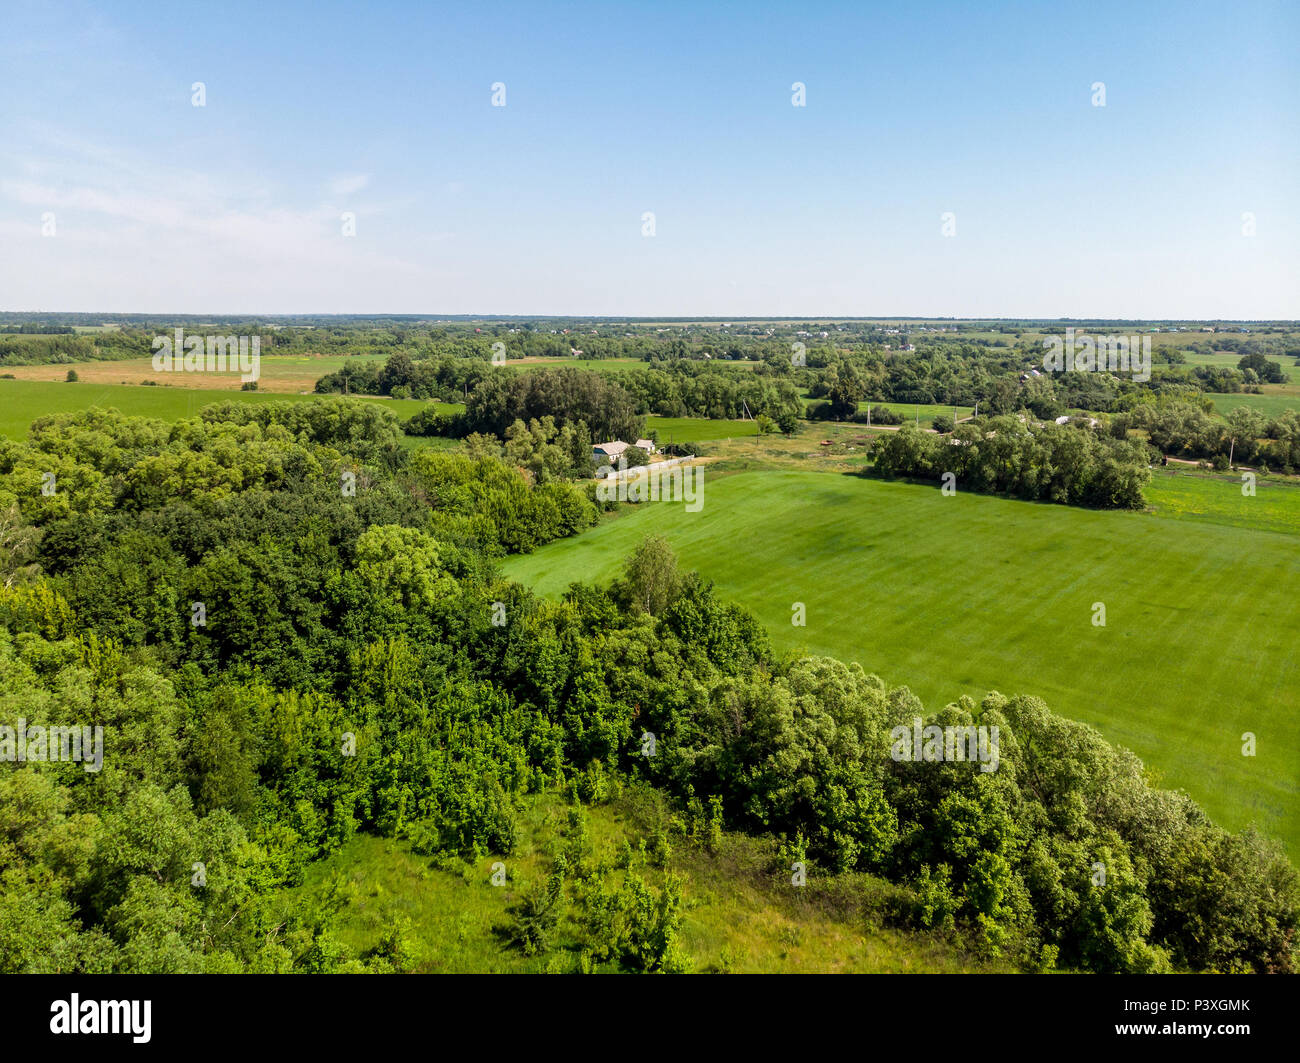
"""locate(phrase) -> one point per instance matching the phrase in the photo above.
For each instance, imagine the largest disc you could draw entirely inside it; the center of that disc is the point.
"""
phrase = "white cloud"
(142, 235)
(349, 185)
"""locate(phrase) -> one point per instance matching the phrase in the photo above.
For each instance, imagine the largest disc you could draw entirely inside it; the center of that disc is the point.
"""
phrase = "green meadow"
(698, 429)
(1275, 400)
(922, 413)
(1229, 360)
(22, 401)
(738, 914)
(1217, 498)
(598, 365)
(963, 594)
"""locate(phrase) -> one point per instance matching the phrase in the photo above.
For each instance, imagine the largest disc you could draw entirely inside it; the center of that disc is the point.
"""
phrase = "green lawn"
(22, 401)
(962, 594)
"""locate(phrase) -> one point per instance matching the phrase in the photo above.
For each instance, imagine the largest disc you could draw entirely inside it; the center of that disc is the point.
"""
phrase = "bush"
(1013, 456)
(883, 415)
(430, 421)
(534, 918)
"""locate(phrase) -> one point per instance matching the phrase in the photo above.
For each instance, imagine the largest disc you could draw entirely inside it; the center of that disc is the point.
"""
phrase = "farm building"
(616, 447)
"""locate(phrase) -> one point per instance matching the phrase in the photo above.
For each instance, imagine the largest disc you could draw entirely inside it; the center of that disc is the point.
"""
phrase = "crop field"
(281, 373)
(22, 401)
(960, 595)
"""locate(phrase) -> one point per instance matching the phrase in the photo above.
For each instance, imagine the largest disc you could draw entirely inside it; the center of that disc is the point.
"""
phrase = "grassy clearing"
(963, 594)
(739, 914)
(698, 429)
(922, 413)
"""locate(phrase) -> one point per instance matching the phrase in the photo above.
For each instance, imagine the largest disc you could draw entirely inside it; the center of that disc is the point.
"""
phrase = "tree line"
(1072, 464)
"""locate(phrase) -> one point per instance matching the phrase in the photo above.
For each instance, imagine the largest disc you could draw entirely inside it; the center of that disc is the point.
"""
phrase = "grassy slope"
(963, 594)
(739, 914)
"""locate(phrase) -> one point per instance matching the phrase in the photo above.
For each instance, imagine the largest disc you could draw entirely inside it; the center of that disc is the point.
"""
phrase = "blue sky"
(384, 110)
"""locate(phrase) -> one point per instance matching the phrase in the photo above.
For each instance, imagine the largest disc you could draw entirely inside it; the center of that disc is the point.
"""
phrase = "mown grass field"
(22, 401)
(739, 913)
(959, 595)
